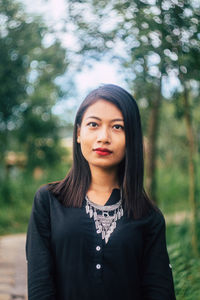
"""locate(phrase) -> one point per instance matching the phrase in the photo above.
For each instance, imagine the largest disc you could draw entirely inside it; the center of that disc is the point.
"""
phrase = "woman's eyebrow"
(118, 119)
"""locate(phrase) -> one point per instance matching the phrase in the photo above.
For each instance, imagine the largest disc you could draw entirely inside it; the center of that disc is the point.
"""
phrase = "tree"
(156, 39)
(186, 45)
(28, 68)
(147, 33)
(28, 91)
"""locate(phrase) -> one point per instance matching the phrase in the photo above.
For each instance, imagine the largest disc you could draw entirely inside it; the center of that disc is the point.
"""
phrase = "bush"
(185, 265)
(16, 197)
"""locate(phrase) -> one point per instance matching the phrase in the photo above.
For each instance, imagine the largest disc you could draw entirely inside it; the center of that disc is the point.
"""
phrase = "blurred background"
(52, 53)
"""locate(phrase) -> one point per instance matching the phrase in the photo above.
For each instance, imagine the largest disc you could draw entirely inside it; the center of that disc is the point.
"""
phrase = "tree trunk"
(192, 187)
(152, 134)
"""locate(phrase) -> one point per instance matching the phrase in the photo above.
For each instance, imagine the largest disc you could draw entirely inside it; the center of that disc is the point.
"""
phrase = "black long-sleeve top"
(68, 260)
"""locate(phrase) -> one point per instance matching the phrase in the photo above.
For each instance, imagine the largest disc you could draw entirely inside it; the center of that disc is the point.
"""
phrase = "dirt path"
(12, 267)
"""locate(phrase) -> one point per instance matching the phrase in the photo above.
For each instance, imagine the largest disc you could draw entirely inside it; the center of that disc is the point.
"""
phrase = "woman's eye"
(92, 124)
(119, 126)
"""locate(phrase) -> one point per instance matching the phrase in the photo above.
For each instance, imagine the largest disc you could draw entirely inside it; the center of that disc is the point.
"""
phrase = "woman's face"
(101, 135)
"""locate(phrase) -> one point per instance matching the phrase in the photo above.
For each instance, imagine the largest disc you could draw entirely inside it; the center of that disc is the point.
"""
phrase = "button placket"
(98, 248)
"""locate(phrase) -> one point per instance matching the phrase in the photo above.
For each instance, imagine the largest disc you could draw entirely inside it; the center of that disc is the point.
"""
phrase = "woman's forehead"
(103, 109)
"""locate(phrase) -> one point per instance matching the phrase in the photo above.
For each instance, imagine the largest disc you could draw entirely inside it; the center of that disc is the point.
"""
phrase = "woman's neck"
(103, 180)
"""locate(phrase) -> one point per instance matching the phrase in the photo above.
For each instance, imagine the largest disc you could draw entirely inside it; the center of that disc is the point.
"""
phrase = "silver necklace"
(104, 222)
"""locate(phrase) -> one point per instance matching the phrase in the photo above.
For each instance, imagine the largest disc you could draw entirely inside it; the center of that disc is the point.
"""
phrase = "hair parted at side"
(72, 189)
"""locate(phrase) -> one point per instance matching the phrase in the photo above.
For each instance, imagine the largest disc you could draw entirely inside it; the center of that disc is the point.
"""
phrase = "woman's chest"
(73, 227)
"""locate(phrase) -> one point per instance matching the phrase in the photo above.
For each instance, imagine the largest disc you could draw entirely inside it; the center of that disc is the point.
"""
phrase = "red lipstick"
(102, 151)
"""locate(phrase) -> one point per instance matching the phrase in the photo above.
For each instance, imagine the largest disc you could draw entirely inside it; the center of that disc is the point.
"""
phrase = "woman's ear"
(78, 133)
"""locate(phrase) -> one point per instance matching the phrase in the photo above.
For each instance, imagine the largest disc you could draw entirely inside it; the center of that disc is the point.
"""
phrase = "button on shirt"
(98, 266)
(68, 260)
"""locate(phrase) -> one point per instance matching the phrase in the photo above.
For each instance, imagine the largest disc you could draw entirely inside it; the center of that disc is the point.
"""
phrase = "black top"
(68, 260)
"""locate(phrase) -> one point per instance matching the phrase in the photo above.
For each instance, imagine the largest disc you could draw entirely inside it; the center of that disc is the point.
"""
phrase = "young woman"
(95, 234)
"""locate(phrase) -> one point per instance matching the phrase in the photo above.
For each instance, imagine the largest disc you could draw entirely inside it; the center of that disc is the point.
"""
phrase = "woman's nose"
(103, 135)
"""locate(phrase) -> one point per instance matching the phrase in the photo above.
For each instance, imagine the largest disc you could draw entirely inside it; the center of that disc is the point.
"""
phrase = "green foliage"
(157, 39)
(185, 265)
(28, 69)
(172, 160)
(15, 211)
(150, 41)
(172, 190)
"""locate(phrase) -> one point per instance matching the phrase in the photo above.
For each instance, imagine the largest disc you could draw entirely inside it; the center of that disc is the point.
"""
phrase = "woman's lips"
(102, 152)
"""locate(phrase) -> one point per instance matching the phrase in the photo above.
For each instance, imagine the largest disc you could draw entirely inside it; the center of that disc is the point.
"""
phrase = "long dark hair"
(72, 189)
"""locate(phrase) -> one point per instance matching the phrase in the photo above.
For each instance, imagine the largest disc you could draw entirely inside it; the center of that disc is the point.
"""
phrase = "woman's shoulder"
(42, 196)
(156, 214)
(155, 220)
(42, 191)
